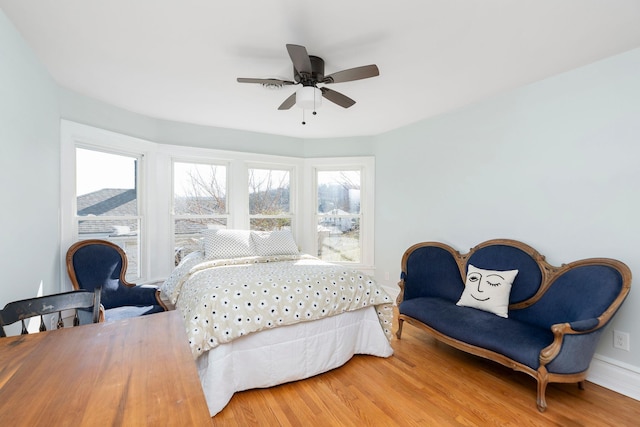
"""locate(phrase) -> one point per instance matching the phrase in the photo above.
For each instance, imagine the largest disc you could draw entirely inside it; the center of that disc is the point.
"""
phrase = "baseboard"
(615, 375)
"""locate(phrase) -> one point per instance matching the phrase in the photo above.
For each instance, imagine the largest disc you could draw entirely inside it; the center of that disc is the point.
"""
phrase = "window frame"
(366, 166)
(293, 194)
(156, 193)
(201, 161)
(75, 136)
(319, 216)
(131, 277)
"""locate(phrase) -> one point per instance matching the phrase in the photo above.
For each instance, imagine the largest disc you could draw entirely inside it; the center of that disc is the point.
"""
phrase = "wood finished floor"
(426, 383)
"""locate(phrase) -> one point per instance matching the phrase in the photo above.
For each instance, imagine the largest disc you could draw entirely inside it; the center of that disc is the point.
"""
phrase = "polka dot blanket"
(221, 300)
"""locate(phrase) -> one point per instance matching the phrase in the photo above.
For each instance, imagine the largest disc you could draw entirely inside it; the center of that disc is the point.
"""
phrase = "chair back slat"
(49, 304)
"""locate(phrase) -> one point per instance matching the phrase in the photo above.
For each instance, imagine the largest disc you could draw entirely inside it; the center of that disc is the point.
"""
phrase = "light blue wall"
(29, 171)
(554, 164)
(91, 112)
(340, 147)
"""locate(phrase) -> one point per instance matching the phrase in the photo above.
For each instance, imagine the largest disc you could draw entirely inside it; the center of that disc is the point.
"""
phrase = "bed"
(258, 313)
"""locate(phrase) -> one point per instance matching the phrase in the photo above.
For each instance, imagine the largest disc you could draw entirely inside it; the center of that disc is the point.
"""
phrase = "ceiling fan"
(308, 70)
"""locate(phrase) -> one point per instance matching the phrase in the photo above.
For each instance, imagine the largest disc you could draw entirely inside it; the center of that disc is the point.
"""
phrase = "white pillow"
(279, 242)
(223, 244)
(488, 290)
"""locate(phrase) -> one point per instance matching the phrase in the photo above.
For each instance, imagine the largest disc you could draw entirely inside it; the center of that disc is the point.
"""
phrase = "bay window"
(155, 199)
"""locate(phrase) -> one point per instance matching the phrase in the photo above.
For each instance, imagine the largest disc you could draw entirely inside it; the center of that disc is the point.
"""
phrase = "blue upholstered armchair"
(93, 263)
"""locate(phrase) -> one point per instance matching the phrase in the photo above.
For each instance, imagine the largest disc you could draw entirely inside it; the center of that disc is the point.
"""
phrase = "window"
(155, 199)
(107, 202)
(339, 215)
(340, 222)
(269, 199)
(199, 202)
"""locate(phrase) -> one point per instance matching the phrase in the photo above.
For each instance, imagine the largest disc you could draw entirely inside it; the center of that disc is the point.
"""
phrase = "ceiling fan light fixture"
(309, 98)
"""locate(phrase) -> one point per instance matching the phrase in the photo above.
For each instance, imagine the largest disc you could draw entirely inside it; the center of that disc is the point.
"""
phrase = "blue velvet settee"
(552, 318)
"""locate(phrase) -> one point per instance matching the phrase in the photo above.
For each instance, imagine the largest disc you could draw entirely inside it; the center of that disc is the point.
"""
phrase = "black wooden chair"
(86, 301)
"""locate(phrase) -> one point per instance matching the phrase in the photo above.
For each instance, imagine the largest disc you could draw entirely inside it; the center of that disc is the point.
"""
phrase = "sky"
(96, 170)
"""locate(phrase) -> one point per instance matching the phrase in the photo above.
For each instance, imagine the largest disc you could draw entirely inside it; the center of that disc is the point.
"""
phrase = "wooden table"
(133, 372)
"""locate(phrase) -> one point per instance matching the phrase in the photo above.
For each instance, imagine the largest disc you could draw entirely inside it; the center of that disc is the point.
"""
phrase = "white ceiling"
(178, 60)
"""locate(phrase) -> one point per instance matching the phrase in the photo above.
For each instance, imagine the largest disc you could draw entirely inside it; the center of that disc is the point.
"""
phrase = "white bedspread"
(290, 353)
(222, 300)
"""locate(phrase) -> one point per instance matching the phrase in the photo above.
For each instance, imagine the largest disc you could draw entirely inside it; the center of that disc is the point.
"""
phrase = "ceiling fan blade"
(351, 74)
(288, 103)
(265, 81)
(300, 58)
(337, 97)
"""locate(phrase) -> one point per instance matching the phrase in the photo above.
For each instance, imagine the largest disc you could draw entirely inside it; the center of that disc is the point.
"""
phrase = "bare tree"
(205, 194)
(347, 182)
(269, 192)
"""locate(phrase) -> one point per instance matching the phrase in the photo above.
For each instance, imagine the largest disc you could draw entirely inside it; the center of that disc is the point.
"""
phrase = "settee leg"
(541, 400)
(581, 385)
(399, 332)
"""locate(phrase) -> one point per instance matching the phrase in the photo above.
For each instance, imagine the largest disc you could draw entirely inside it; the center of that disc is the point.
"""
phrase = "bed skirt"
(289, 353)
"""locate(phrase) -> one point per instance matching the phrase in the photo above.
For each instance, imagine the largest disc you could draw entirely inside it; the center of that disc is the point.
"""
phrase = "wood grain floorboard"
(426, 383)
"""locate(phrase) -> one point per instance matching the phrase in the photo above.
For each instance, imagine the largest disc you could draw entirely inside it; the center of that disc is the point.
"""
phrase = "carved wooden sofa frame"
(564, 308)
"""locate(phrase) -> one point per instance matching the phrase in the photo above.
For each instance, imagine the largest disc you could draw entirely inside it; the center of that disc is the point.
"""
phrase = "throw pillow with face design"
(488, 290)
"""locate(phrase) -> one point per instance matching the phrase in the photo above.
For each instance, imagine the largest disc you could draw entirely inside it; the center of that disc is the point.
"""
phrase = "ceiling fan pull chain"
(303, 122)
(314, 102)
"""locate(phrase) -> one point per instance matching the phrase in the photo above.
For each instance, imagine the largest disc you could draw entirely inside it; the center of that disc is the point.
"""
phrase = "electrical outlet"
(621, 340)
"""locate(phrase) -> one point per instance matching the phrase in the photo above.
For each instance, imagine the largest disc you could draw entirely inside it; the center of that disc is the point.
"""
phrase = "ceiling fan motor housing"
(308, 71)
(317, 72)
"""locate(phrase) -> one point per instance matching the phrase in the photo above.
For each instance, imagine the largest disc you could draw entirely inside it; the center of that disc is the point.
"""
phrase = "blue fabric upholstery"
(430, 264)
(503, 257)
(580, 293)
(576, 353)
(576, 301)
(519, 341)
(100, 263)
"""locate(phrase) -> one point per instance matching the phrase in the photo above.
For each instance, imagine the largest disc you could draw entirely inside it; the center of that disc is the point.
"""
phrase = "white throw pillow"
(488, 290)
(223, 244)
(278, 242)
